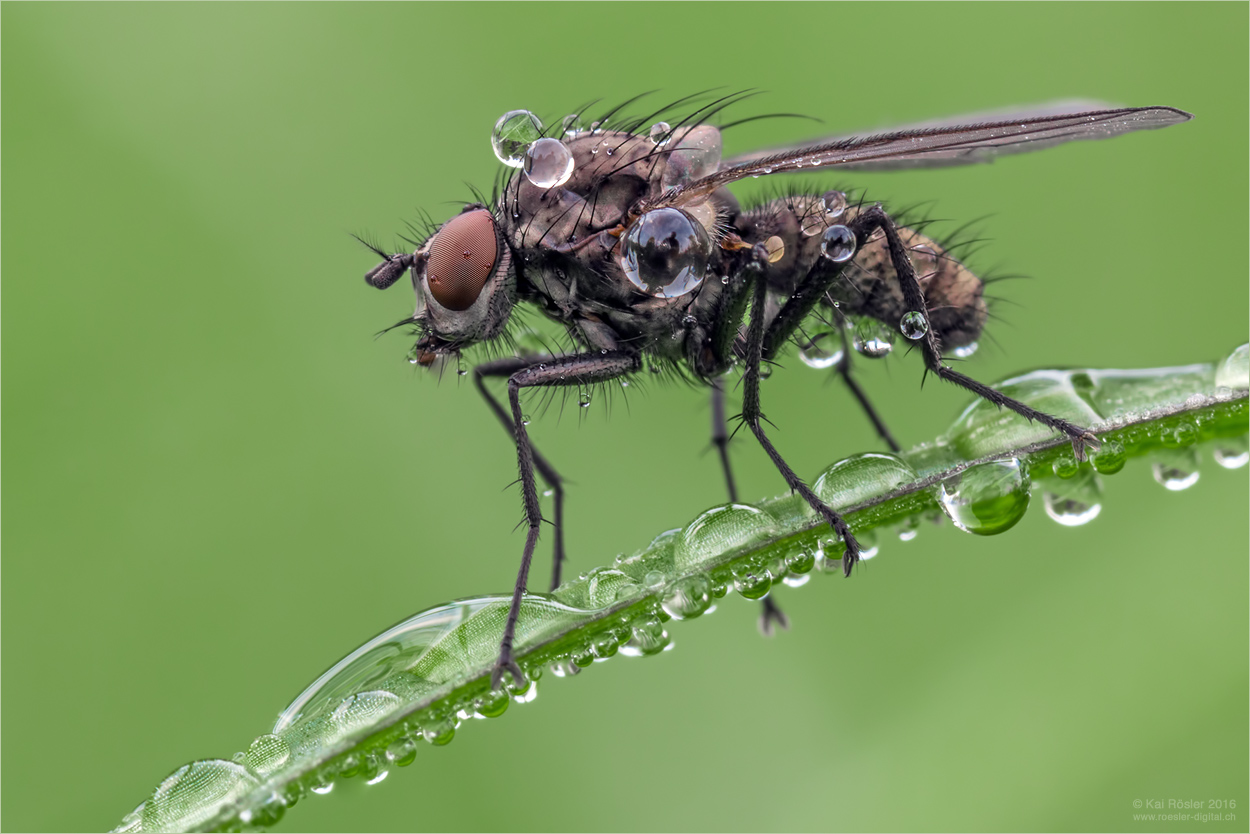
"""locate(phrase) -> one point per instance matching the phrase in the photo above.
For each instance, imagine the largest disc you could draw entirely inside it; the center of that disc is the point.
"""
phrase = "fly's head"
(464, 281)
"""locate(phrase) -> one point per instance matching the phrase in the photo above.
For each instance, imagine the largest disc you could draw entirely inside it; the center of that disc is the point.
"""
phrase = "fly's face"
(464, 281)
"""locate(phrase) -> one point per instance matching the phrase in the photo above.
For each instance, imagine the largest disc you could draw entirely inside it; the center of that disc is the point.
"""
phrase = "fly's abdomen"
(868, 286)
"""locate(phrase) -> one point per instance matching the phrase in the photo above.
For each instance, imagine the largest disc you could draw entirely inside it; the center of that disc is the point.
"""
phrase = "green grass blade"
(416, 682)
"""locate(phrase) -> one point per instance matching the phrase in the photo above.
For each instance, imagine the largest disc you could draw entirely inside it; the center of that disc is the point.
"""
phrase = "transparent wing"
(938, 144)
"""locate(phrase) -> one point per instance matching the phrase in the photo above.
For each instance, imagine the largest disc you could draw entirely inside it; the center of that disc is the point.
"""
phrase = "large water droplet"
(513, 133)
(1075, 501)
(838, 244)
(665, 253)
(720, 530)
(988, 498)
(194, 793)
(688, 598)
(913, 324)
(548, 163)
(660, 132)
(1234, 372)
(823, 351)
(266, 754)
(859, 478)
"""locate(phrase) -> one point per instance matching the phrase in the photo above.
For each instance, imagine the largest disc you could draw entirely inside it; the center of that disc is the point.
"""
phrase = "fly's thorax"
(465, 281)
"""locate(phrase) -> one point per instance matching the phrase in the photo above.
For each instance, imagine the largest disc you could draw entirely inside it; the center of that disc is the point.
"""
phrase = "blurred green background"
(217, 482)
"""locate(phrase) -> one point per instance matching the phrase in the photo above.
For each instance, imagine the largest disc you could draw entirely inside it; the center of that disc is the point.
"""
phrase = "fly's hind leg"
(913, 295)
(772, 616)
(579, 369)
(507, 367)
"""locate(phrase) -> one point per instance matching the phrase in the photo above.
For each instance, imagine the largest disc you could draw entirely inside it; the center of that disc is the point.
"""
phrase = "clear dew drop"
(988, 498)
(913, 325)
(583, 399)
(874, 341)
(660, 133)
(193, 794)
(687, 598)
(513, 133)
(1234, 372)
(1109, 459)
(1070, 512)
(964, 351)
(823, 351)
(1065, 467)
(838, 244)
(1173, 476)
(402, 751)
(833, 202)
(800, 562)
(266, 754)
(1075, 501)
(548, 163)
(752, 581)
(571, 126)
(665, 253)
(647, 637)
(1231, 458)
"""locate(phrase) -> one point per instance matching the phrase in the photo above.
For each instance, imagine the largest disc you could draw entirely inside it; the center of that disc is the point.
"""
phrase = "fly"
(626, 235)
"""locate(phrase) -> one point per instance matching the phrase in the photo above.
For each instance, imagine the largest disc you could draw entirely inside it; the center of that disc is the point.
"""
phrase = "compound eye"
(462, 258)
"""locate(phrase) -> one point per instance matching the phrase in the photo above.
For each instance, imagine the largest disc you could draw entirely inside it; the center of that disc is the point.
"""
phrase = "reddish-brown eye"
(462, 258)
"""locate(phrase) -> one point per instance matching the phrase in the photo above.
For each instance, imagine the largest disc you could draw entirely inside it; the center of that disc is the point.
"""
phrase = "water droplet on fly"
(688, 598)
(660, 132)
(513, 133)
(988, 498)
(913, 324)
(525, 419)
(665, 253)
(874, 342)
(823, 351)
(548, 163)
(833, 202)
(583, 399)
(964, 351)
(571, 125)
(838, 244)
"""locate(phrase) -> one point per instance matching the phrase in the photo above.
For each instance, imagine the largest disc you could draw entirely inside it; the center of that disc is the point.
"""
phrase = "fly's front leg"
(507, 367)
(874, 218)
(754, 417)
(581, 369)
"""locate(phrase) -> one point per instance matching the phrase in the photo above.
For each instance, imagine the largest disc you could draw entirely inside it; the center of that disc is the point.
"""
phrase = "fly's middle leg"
(913, 295)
